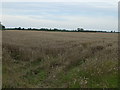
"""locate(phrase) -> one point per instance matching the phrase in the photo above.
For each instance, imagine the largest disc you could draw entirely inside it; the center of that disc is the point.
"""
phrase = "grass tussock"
(59, 59)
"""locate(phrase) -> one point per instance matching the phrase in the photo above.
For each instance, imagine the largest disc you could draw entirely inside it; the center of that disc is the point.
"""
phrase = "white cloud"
(70, 22)
(60, 8)
(94, 15)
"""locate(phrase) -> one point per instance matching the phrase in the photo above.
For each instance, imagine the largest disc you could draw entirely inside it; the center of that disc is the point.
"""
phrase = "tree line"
(2, 27)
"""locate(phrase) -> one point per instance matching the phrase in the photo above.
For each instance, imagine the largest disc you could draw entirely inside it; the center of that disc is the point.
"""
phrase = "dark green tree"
(80, 29)
(2, 27)
(19, 28)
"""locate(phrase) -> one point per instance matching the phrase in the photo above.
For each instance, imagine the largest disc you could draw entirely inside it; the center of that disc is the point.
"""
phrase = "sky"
(87, 14)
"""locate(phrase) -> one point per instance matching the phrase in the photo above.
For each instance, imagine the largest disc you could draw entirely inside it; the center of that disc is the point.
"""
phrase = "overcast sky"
(91, 15)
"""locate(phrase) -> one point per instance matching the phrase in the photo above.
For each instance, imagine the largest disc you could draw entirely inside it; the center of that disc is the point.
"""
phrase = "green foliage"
(62, 60)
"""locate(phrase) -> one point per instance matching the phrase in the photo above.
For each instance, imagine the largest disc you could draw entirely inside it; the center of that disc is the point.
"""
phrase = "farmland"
(39, 59)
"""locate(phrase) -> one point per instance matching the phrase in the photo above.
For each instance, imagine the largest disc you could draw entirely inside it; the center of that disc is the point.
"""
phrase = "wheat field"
(41, 59)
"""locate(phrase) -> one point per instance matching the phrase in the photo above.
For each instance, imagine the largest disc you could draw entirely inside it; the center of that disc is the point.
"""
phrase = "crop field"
(41, 59)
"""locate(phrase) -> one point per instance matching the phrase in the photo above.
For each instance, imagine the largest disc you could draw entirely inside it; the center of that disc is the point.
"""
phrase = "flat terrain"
(59, 59)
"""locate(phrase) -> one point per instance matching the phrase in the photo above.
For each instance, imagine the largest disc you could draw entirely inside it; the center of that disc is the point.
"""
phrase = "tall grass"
(59, 59)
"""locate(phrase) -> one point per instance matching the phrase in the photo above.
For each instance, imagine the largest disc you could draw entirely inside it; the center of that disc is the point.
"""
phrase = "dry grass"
(59, 59)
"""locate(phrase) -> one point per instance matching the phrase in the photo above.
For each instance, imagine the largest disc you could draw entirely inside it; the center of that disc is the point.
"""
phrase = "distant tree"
(19, 28)
(2, 27)
(80, 29)
(55, 29)
(15, 28)
(29, 28)
(64, 30)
